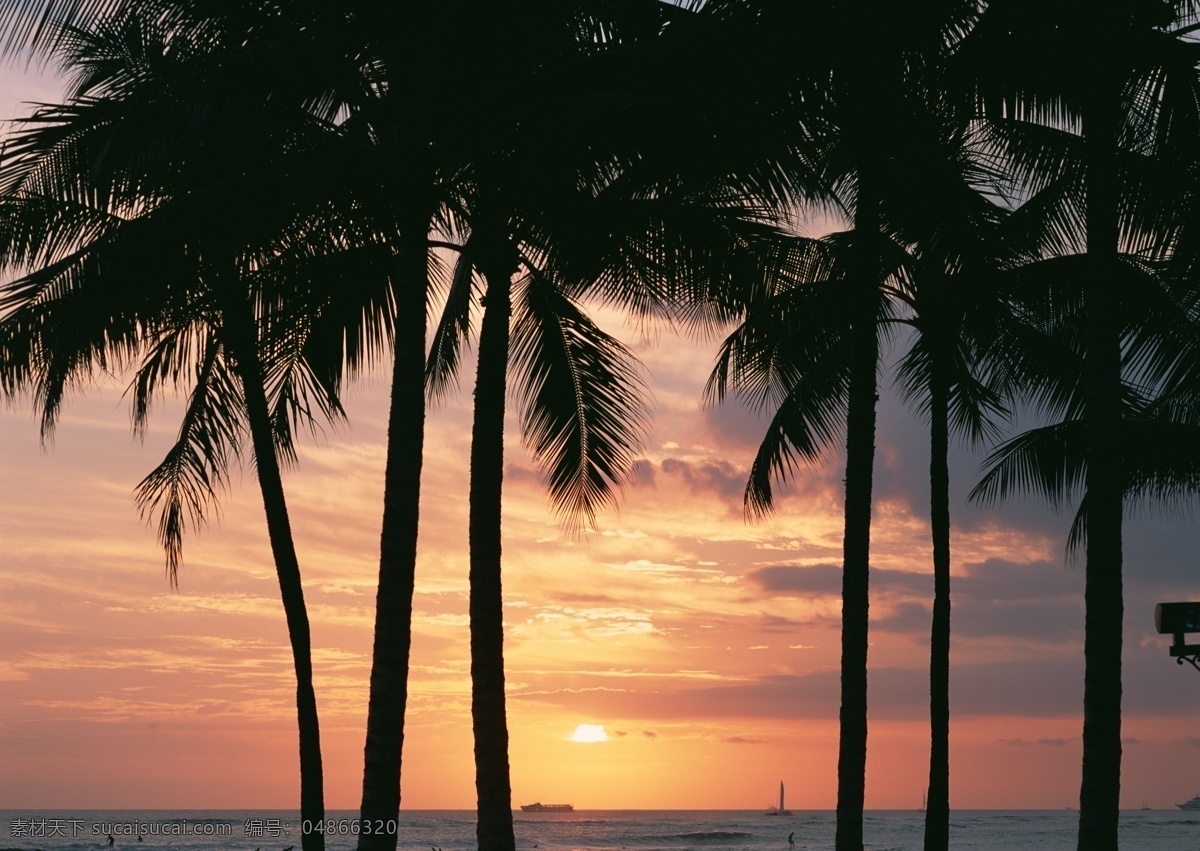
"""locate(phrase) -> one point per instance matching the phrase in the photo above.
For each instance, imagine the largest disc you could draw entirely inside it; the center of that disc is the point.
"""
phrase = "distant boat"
(539, 807)
(1193, 804)
(780, 810)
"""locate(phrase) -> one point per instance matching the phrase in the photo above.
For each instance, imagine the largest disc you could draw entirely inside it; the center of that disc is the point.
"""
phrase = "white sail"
(780, 809)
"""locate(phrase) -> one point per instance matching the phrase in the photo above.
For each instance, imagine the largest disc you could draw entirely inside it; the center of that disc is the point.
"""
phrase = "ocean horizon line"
(756, 810)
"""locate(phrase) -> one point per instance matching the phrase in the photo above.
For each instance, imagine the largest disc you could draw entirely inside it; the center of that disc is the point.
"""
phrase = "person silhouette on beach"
(111, 841)
(791, 840)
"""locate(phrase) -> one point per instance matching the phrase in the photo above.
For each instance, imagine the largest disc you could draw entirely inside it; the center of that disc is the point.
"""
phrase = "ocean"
(585, 830)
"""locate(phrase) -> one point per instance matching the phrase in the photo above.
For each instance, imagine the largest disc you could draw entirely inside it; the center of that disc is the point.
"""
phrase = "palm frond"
(1049, 461)
(808, 420)
(180, 491)
(298, 392)
(782, 336)
(582, 412)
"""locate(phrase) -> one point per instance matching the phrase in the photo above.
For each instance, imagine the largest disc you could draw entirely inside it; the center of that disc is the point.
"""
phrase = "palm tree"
(140, 245)
(581, 420)
(230, 383)
(956, 310)
(546, 224)
(1109, 73)
(795, 352)
(856, 62)
(578, 387)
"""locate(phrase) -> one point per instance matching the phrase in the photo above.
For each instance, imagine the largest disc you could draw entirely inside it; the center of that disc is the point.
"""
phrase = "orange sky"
(705, 646)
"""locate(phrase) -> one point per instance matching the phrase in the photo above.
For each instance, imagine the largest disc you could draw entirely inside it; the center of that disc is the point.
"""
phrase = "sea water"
(584, 830)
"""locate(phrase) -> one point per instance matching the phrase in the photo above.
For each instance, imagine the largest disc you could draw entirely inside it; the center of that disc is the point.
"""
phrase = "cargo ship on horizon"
(539, 807)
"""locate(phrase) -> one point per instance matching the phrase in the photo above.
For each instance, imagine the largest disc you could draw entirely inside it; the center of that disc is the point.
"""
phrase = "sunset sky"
(705, 646)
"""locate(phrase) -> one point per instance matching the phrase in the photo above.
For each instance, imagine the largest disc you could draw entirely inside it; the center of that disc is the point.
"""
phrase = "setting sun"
(589, 733)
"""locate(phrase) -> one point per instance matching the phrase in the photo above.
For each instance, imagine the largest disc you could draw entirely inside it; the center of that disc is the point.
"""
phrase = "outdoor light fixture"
(1179, 619)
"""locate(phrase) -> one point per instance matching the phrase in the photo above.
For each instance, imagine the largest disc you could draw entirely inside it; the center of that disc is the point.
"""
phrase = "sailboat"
(780, 810)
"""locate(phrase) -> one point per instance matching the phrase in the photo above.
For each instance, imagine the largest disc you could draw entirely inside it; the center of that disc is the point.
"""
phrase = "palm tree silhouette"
(950, 299)
(150, 243)
(1107, 72)
(579, 393)
(578, 388)
(547, 224)
(870, 69)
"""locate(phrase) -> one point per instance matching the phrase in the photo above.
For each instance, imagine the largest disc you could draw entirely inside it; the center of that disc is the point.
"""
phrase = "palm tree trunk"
(1099, 798)
(398, 546)
(243, 345)
(937, 806)
(488, 714)
(856, 545)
